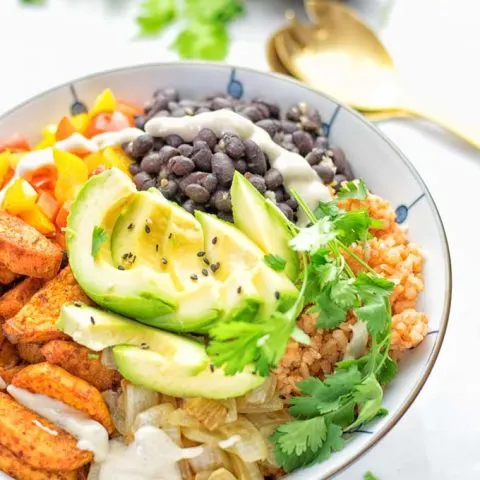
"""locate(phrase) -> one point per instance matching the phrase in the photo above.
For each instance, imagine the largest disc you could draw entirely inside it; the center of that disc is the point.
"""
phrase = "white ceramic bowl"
(373, 157)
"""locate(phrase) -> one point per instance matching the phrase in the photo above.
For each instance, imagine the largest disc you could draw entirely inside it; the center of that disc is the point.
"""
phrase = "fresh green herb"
(33, 2)
(276, 262)
(155, 15)
(352, 395)
(370, 476)
(353, 189)
(99, 237)
(93, 356)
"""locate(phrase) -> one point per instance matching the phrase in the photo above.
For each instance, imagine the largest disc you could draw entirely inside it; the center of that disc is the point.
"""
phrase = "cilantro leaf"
(99, 237)
(327, 209)
(375, 314)
(209, 41)
(155, 15)
(353, 226)
(354, 189)
(331, 315)
(276, 262)
(213, 11)
(314, 237)
(370, 476)
(368, 396)
(386, 372)
(373, 284)
(344, 293)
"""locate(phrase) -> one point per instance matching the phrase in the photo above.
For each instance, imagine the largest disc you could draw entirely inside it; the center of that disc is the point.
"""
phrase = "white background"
(436, 44)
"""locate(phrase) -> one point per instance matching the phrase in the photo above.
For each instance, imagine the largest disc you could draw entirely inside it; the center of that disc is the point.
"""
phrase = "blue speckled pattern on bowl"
(373, 157)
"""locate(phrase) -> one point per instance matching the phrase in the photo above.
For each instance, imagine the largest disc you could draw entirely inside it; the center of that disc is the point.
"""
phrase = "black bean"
(202, 110)
(241, 166)
(141, 179)
(258, 182)
(174, 140)
(288, 127)
(148, 105)
(227, 217)
(218, 103)
(234, 146)
(128, 149)
(173, 105)
(166, 153)
(321, 143)
(290, 147)
(252, 113)
(207, 135)
(292, 203)
(186, 103)
(158, 143)
(324, 172)
(168, 188)
(179, 112)
(279, 138)
(264, 110)
(152, 163)
(222, 201)
(142, 145)
(134, 168)
(269, 126)
(223, 167)
(256, 158)
(200, 145)
(169, 93)
(203, 159)
(210, 182)
(286, 210)
(194, 177)
(160, 104)
(279, 195)
(273, 179)
(340, 162)
(186, 150)
(339, 179)
(163, 113)
(190, 206)
(314, 157)
(181, 165)
(309, 125)
(197, 193)
(303, 141)
(140, 121)
(273, 109)
(293, 114)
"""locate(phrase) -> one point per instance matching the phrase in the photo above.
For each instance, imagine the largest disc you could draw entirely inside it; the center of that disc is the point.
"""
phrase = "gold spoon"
(277, 66)
(343, 57)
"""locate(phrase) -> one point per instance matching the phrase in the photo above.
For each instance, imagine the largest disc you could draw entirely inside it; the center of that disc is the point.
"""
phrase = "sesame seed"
(212, 367)
(144, 346)
(277, 295)
(170, 235)
(194, 276)
(204, 272)
(156, 247)
(214, 240)
(121, 267)
(164, 260)
(92, 320)
(239, 290)
(147, 229)
(77, 304)
(125, 256)
(130, 227)
(215, 266)
(206, 261)
(200, 254)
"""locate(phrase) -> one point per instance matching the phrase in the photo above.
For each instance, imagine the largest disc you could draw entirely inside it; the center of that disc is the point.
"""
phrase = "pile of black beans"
(198, 174)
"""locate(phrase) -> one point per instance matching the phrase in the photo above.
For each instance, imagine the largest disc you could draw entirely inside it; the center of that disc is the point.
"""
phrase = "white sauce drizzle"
(90, 434)
(151, 456)
(45, 428)
(296, 171)
(3, 385)
(229, 442)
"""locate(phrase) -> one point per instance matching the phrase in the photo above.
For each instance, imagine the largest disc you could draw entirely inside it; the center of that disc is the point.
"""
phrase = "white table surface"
(436, 44)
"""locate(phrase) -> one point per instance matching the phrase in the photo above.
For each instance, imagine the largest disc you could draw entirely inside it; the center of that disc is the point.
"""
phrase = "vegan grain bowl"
(197, 288)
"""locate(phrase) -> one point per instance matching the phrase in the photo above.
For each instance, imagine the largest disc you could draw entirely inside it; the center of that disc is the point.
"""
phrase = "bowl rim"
(408, 401)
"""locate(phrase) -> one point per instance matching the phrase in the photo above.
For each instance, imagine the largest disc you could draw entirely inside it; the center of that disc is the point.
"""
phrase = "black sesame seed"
(239, 290)
(126, 255)
(121, 267)
(206, 261)
(77, 304)
(144, 346)
(130, 227)
(212, 367)
(214, 240)
(277, 295)
(92, 320)
(204, 272)
(134, 258)
(200, 254)
(156, 247)
(170, 235)
(164, 260)
(147, 229)
(194, 276)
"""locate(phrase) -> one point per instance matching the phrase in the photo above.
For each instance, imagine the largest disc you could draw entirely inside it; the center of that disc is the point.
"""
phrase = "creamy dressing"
(90, 434)
(296, 171)
(45, 428)
(229, 442)
(153, 455)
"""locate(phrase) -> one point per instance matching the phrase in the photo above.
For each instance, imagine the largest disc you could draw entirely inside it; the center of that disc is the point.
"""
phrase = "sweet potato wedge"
(20, 470)
(57, 383)
(6, 374)
(25, 250)
(6, 275)
(30, 352)
(12, 301)
(35, 322)
(81, 362)
(25, 434)
(8, 355)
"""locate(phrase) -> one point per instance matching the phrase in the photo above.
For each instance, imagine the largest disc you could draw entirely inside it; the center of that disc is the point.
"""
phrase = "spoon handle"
(467, 131)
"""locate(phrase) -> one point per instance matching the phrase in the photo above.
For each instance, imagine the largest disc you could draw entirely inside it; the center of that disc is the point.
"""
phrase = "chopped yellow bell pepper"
(80, 122)
(105, 102)
(4, 165)
(94, 160)
(37, 219)
(19, 197)
(48, 134)
(117, 158)
(72, 174)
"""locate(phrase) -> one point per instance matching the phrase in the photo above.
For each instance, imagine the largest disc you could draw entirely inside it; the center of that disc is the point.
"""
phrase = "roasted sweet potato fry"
(57, 383)
(30, 352)
(25, 250)
(18, 469)
(12, 301)
(35, 322)
(25, 434)
(81, 362)
(8, 355)
(6, 374)
(6, 275)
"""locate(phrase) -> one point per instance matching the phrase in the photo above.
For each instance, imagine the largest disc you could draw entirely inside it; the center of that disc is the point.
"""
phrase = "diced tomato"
(62, 215)
(106, 122)
(14, 143)
(129, 110)
(44, 178)
(65, 129)
(48, 205)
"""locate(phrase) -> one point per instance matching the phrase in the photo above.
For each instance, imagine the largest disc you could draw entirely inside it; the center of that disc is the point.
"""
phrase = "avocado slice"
(98, 329)
(146, 368)
(139, 292)
(263, 223)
